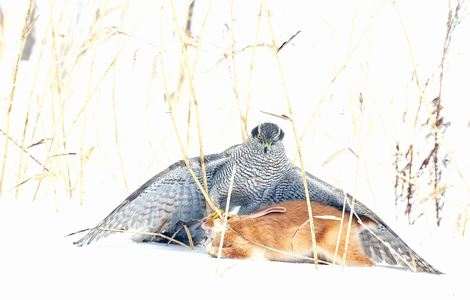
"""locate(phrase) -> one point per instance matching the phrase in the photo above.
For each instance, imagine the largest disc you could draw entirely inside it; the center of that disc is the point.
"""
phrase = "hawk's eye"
(260, 136)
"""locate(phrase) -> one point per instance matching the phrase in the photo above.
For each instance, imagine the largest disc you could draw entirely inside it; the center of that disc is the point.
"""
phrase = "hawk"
(264, 175)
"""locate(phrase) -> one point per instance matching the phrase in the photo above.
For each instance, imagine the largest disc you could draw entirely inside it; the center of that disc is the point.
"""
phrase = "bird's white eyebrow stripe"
(278, 133)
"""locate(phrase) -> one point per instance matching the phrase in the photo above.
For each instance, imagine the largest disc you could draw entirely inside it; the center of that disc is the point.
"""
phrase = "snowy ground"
(38, 262)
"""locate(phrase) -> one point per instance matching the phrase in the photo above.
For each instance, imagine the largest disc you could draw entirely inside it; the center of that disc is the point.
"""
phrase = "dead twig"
(282, 117)
(288, 41)
(227, 208)
(297, 140)
(190, 237)
(25, 151)
(234, 53)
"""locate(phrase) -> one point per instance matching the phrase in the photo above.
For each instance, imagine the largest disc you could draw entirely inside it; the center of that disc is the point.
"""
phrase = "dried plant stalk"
(297, 141)
(24, 32)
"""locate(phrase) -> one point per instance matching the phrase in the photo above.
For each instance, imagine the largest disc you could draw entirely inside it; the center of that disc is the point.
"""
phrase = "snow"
(38, 262)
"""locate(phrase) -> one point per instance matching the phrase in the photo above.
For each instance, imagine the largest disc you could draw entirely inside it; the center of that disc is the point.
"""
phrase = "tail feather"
(382, 245)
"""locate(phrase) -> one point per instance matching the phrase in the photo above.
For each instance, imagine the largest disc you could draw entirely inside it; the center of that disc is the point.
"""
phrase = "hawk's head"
(267, 135)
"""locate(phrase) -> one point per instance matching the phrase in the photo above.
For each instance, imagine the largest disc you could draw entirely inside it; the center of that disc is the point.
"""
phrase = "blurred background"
(94, 95)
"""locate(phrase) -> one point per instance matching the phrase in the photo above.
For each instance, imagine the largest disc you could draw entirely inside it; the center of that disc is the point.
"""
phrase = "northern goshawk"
(264, 175)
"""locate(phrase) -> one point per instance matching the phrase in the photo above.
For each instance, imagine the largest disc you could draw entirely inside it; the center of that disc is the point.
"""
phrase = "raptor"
(265, 175)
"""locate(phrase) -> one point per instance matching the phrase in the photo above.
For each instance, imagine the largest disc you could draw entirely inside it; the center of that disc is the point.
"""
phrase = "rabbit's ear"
(276, 209)
(269, 210)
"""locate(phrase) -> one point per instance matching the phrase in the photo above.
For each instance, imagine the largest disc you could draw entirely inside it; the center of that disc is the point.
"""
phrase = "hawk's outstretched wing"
(160, 204)
(382, 245)
(380, 242)
(292, 187)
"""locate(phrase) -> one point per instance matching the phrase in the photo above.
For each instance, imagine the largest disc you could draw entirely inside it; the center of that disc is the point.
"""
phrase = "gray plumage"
(384, 246)
(264, 175)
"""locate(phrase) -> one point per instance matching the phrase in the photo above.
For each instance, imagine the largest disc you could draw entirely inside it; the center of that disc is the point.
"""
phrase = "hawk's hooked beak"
(266, 147)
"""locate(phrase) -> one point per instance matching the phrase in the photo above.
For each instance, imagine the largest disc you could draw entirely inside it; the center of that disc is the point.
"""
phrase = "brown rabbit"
(285, 228)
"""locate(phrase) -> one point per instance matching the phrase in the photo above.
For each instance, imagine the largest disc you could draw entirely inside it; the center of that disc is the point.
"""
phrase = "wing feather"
(292, 187)
(383, 246)
(170, 197)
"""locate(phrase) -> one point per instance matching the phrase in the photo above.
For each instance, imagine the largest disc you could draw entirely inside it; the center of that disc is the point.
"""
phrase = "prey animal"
(281, 232)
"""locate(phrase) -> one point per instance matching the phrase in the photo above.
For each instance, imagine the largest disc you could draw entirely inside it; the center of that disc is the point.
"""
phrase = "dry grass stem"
(233, 69)
(190, 237)
(282, 117)
(340, 232)
(175, 234)
(184, 43)
(288, 41)
(348, 232)
(297, 141)
(56, 89)
(250, 73)
(169, 100)
(24, 150)
(116, 133)
(227, 208)
(235, 52)
(24, 32)
(190, 75)
(340, 70)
